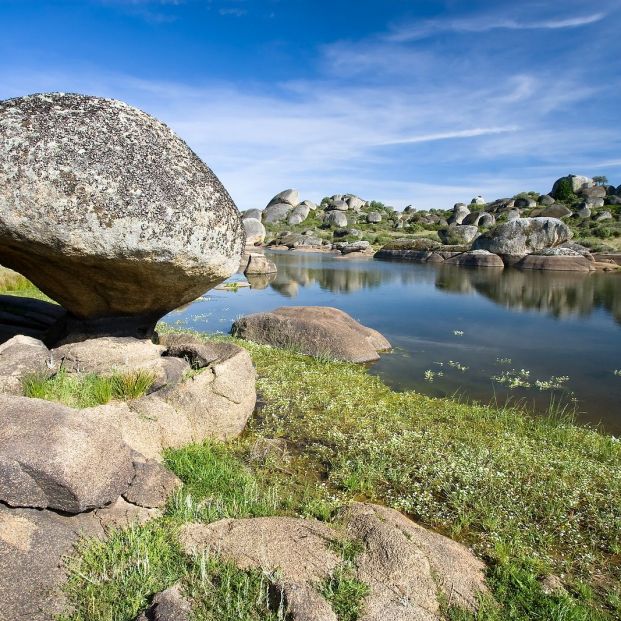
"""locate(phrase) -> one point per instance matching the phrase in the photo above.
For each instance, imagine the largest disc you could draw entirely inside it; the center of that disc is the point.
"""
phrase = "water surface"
(455, 329)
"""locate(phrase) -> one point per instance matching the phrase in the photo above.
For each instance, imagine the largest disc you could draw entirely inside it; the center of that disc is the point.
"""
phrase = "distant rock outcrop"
(523, 236)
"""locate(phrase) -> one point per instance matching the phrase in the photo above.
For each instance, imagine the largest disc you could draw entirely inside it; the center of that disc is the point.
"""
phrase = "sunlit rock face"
(523, 236)
(107, 211)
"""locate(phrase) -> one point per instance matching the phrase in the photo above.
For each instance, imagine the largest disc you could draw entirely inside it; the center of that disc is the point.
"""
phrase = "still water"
(481, 334)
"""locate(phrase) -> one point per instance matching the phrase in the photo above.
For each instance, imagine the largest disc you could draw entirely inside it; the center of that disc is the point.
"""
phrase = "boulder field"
(540, 243)
(109, 213)
(65, 473)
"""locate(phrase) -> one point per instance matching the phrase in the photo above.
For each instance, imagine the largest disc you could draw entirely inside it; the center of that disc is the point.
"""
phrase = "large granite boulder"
(523, 236)
(460, 211)
(276, 212)
(52, 456)
(252, 213)
(575, 182)
(289, 197)
(336, 218)
(555, 210)
(255, 231)
(313, 330)
(107, 211)
(298, 214)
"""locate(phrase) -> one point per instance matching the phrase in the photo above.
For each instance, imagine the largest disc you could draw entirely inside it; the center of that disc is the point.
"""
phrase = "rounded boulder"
(107, 211)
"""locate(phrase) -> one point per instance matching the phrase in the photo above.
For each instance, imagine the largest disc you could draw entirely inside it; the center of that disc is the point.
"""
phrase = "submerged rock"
(313, 330)
(108, 212)
(259, 264)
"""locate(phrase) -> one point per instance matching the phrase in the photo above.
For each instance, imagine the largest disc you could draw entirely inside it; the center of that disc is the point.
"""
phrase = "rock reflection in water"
(560, 294)
(336, 275)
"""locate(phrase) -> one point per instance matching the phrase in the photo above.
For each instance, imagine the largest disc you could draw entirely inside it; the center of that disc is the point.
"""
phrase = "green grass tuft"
(83, 390)
(114, 580)
(216, 485)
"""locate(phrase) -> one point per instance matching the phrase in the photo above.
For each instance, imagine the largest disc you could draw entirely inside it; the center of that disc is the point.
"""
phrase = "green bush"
(564, 191)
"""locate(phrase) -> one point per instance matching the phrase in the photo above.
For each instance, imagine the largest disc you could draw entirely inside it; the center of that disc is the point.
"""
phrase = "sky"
(406, 102)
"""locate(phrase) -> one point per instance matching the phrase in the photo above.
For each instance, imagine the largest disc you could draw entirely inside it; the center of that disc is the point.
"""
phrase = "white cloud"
(485, 23)
(462, 133)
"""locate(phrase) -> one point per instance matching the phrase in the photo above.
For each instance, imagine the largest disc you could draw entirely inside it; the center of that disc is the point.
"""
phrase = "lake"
(478, 334)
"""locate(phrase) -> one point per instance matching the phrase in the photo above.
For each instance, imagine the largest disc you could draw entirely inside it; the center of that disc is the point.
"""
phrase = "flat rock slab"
(296, 548)
(406, 564)
(32, 546)
(108, 212)
(313, 330)
(556, 263)
(406, 567)
(52, 456)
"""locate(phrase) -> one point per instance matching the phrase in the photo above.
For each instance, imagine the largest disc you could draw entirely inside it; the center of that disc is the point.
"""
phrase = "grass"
(83, 390)
(342, 589)
(532, 496)
(13, 283)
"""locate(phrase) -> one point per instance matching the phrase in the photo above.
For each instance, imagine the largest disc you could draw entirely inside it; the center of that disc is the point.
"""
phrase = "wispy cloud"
(462, 133)
(485, 23)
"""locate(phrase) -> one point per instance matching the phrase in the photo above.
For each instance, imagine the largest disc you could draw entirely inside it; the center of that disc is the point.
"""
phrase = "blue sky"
(423, 103)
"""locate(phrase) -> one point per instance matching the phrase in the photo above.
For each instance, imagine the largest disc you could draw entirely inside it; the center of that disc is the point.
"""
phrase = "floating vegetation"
(457, 365)
(521, 379)
(513, 378)
(552, 383)
(503, 360)
(431, 375)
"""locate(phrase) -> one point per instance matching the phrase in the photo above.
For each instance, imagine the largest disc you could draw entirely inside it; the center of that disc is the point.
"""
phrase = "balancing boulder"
(107, 211)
